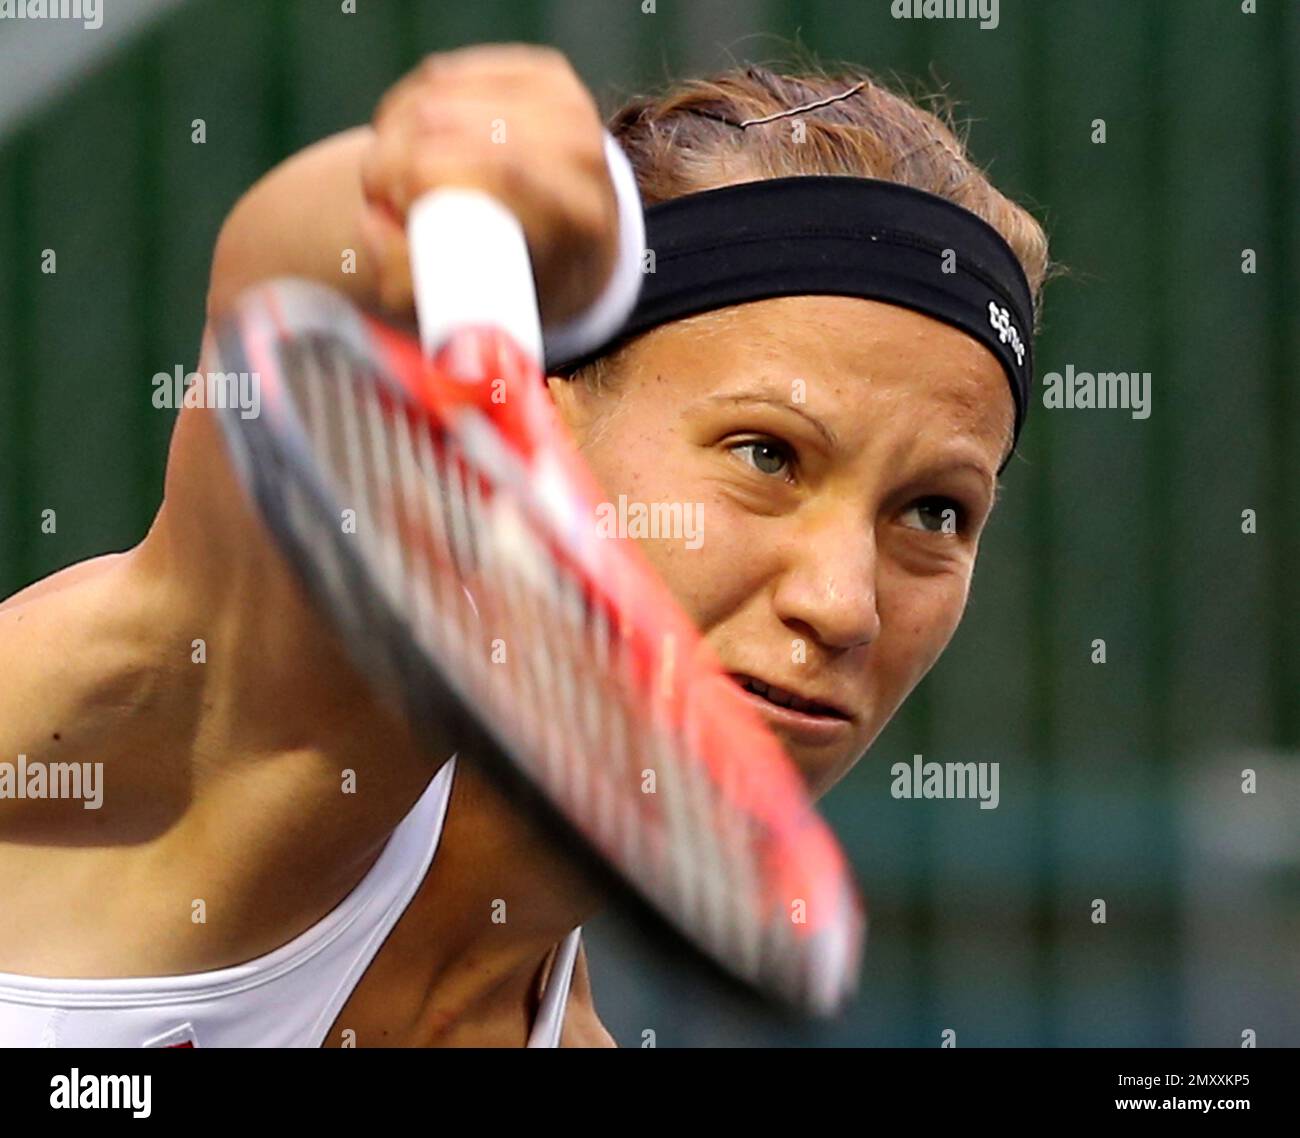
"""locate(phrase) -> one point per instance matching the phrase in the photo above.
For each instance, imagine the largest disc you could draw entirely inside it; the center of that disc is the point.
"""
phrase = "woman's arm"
(511, 120)
(305, 219)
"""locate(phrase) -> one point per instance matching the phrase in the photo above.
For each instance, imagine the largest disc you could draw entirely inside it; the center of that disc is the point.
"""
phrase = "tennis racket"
(441, 519)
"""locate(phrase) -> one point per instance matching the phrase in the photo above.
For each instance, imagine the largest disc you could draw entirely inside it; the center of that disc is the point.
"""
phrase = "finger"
(499, 57)
(386, 242)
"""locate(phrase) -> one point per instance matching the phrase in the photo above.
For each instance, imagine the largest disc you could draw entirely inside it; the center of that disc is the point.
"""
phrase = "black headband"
(840, 236)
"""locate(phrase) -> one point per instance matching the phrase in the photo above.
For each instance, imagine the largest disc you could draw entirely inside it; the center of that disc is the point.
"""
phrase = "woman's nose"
(828, 588)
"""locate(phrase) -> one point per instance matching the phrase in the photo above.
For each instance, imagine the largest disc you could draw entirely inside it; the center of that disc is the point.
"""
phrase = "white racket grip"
(469, 265)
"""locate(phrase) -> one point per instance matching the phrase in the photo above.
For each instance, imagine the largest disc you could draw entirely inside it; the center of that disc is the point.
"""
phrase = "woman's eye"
(937, 515)
(765, 456)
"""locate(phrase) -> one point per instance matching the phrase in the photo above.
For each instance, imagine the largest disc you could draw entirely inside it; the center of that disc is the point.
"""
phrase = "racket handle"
(470, 267)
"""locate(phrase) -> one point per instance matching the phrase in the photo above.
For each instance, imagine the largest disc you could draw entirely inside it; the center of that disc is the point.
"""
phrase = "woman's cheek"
(704, 567)
(933, 610)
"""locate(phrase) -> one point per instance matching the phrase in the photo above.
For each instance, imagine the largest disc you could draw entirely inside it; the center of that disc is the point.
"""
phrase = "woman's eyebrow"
(770, 400)
(957, 464)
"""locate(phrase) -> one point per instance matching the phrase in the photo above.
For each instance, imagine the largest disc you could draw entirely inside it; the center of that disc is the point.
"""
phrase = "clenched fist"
(512, 120)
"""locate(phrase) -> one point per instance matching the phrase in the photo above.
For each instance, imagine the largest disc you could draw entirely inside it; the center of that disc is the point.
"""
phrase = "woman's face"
(839, 457)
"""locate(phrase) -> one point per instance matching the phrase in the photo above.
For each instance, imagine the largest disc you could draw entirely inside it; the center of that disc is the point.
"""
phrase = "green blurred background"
(1119, 781)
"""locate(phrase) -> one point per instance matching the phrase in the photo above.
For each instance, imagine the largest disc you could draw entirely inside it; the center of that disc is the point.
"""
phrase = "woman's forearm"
(303, 219)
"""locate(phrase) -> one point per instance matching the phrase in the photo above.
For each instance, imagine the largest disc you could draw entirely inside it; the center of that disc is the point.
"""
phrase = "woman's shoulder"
(582, 1023)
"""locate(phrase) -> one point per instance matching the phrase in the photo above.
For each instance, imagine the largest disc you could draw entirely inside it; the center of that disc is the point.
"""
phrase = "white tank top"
(287, 998)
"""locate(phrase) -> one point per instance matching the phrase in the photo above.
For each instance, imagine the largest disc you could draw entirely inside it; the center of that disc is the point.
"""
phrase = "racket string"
(687, 860)
(461, 567)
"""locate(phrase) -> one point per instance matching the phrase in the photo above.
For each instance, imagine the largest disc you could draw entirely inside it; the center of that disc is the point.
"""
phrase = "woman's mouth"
(797, 715)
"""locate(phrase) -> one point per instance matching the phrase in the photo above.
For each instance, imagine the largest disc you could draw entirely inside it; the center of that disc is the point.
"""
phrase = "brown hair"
(700, 134)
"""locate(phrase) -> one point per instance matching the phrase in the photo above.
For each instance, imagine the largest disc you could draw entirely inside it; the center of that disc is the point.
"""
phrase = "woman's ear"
(573, 401)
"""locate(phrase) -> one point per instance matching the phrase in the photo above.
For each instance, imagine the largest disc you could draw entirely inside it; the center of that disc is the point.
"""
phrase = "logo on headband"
(1000, 318)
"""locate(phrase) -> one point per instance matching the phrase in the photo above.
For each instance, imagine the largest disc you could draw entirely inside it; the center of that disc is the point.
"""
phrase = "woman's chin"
(822, 766)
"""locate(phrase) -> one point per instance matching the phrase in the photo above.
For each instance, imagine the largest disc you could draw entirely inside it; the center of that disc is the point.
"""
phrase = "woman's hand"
(514, 121)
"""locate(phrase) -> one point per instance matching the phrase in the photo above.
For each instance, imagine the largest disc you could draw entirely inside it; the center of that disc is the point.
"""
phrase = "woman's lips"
(797, 718)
